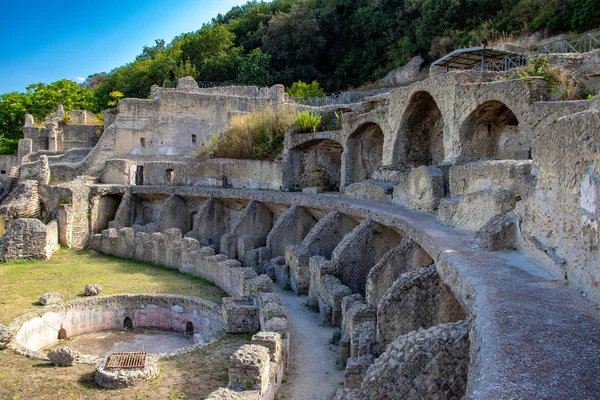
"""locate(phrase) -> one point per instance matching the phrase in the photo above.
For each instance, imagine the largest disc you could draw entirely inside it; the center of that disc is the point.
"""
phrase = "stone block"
(92, 290)
(371, 190)
(422, 190)
(492, 175)
(500, 233)
(270, 340)
(312, 190)
(5, 337)
(473, 210)
(51, 298)
(298, 259)
(63, 357)
(249, 368)
(279, 325)
(241, 315)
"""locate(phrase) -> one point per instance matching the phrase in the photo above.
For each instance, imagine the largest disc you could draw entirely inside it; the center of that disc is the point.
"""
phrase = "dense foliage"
(39, 100)
(338, 43)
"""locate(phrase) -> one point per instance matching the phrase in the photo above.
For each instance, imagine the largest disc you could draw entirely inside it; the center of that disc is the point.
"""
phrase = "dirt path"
(312, 373)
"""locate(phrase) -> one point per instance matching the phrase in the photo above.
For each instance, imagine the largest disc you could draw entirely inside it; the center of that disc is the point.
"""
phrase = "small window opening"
(189, 328)
(62, 334)
(194, 139)
(170, 176)
(143, 142)
(128, 323)
(2, 172)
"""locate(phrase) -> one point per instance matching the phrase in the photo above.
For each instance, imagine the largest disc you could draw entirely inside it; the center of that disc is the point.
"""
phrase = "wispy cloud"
(80, 79)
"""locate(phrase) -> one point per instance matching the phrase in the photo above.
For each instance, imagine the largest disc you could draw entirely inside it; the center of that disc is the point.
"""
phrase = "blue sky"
(44, 41)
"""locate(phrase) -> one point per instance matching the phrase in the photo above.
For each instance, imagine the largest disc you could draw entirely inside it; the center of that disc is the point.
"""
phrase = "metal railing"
(333, 99)
(201, 85)
(582, 43)
(506, 64)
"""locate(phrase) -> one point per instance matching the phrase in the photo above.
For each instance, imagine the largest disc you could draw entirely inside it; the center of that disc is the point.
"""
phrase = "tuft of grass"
(258, 135)
(68, 271)
(564, 85)
(308, 122)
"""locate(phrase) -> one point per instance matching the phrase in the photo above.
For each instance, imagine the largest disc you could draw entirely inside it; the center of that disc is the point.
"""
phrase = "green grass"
(22, 283)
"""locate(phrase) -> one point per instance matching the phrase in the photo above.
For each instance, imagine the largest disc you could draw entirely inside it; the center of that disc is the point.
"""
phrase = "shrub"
(307, 122)
(564, 85)
(303, 90)
(258, 135)
(66, 118)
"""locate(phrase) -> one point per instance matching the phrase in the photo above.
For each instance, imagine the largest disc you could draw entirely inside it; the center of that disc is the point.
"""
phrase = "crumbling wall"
(417, 299)
(29, 239)
(360, 250)
(425, 364)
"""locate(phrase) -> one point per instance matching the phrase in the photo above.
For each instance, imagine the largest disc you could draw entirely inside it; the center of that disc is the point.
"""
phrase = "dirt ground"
(190, 376)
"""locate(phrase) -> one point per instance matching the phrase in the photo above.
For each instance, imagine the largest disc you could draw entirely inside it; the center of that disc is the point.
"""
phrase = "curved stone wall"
(41, 329)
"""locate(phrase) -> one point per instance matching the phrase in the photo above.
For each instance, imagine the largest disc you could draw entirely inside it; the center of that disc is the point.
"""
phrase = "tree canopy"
(337, 43)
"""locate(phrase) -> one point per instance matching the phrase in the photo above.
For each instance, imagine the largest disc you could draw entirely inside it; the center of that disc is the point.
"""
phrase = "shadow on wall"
(491, 132)
(421, 137)
(318, 163)
(107, 210)
(365, 148)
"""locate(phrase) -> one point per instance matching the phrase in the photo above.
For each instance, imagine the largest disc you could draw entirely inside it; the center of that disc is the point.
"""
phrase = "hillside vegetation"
(337, 43)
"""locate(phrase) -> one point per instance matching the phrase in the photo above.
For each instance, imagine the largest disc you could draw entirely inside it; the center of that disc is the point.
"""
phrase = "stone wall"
(29, 239)
(425, 364)
(240, 174)
(185, 254)
(39, 330)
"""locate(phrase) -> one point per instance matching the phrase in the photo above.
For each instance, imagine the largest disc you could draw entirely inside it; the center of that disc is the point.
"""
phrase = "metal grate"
(126, 361)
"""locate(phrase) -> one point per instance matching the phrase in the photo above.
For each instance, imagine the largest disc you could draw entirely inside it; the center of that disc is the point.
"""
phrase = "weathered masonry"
(448, 228)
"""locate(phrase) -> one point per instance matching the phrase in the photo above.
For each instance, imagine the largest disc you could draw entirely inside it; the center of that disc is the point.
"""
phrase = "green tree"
(303, 90)
(254, 69)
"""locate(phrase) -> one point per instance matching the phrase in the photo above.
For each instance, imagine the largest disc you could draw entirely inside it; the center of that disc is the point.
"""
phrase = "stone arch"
(127, 323)
(365, 152)
(189, 328)
(420, 139)
(491, 131)
(62, 334)
(318, 163)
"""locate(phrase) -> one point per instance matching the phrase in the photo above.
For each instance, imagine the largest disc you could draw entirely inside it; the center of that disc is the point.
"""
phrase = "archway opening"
(62, 334)
(421, 137)
(189, 328)
(491, 132)
(318, 164)
(127, 323)
(365, 147)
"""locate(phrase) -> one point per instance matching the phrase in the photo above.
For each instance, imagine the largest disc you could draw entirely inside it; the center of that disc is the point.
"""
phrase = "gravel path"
(312, 373)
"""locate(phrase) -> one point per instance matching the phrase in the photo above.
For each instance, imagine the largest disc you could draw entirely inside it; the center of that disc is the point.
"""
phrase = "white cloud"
(80, 79)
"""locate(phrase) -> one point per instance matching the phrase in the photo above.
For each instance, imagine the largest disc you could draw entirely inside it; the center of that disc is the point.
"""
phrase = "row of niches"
(375, 283)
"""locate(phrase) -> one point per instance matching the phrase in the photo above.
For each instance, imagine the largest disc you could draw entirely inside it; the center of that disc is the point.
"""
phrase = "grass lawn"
(190, 376)
(23, 282)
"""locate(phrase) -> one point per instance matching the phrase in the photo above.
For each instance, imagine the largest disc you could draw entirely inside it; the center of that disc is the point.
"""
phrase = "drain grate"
(126, 361)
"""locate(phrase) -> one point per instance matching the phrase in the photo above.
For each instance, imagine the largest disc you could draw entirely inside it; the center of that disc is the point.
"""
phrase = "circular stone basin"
(121, 378)
(155, 324)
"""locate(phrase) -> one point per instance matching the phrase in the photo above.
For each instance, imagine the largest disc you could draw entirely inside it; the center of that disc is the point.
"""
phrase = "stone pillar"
(44, 174)
(249, 369)
(25, 148)
(52, 140)
(64, 215)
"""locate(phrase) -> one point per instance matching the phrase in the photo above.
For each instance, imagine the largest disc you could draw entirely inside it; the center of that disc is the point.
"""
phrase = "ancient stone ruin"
(448, 229)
